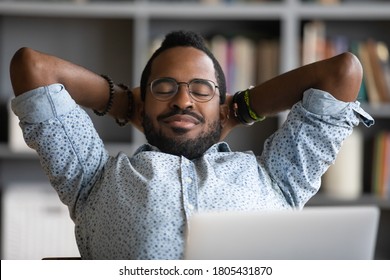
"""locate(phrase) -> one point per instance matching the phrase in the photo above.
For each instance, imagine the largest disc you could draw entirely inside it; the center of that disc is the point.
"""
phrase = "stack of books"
(381, 165)
(373, 54)
(246, 62)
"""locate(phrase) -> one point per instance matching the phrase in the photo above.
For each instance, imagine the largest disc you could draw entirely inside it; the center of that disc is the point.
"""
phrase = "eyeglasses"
(200, 90)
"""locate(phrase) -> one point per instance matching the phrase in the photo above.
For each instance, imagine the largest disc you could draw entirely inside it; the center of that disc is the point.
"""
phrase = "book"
(219, 46)
(267, 59)
(377, 66)
(387, 166)
(384, 61)
(368, 74)
(243, 62)
(373, 54)
(313, 46)
(380, 168)
(237, 57)
(362, 95)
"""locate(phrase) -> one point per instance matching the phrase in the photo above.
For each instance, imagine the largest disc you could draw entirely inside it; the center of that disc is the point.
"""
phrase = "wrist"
(127, 106)
(242, 108)
(119, 104)
(111, 92)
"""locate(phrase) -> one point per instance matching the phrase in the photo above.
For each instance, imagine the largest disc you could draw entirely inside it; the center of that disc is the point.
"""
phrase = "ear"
(228, 119)
(223, 114)
(139, 117)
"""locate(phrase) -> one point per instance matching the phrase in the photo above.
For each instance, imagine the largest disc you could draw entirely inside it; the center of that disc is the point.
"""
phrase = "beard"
(181, 146)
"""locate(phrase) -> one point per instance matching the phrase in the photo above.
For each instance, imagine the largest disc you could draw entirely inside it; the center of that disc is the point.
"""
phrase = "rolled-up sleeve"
(70, 150)
(300, 152)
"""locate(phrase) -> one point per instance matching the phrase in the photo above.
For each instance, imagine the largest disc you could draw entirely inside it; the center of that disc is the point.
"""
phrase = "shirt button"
(191, 207)
(188, 180)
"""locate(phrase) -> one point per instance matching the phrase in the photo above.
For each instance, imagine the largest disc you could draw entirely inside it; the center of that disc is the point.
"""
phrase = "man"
(138, 207)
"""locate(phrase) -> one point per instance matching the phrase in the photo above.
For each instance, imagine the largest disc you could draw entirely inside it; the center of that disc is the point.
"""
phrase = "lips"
(181, 118)
(181, 121)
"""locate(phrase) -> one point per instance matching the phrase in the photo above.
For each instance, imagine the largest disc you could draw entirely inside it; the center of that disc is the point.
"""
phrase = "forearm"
(31, 69)
(340, 76)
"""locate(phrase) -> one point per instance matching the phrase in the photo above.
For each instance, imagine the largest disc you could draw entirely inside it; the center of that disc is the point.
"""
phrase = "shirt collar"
(221, 147)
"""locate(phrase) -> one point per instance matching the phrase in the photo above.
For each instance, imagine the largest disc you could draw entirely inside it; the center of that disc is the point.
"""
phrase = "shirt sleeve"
(299, 153)
(70, 150)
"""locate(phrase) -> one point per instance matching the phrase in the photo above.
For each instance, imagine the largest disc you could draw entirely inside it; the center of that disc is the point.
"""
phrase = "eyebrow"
(215, 82)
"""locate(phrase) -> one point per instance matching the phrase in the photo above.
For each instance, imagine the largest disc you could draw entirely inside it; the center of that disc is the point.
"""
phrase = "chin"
(183, 142)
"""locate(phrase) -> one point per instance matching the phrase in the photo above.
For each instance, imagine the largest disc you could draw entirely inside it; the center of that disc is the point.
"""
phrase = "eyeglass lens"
(199, 89)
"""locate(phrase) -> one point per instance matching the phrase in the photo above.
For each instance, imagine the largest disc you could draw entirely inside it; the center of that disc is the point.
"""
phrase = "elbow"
(352, 68)
(340, 75)
(348, 77)
(20, 63)
(24, 66)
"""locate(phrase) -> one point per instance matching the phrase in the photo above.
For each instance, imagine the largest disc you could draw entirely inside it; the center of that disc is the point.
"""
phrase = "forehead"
(183, 64)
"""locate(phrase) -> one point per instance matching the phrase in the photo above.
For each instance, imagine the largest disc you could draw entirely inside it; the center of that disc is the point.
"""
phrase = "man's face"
(181, 125)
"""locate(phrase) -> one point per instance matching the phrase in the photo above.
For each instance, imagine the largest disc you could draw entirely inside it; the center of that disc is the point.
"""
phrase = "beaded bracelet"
(110, 98)
(242, 109)
(129, 105)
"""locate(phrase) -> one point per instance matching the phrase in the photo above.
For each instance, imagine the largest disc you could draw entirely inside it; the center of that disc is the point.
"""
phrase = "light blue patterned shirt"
(137, 207)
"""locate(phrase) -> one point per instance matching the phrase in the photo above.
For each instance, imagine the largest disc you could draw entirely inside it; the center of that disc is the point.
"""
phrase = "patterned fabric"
(137, 207)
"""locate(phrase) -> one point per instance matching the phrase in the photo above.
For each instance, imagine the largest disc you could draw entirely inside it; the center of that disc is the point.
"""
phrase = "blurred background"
(253, 39)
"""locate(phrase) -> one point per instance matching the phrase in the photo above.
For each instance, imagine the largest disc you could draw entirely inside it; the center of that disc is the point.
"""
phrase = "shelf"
(233, 11)
(377, 110)
(143, 9)
(345, 11)
(321, 199)
(68, 9)
(242, 11)
(114, 37)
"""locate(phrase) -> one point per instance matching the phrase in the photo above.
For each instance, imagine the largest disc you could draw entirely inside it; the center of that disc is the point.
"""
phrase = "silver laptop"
(315, 233)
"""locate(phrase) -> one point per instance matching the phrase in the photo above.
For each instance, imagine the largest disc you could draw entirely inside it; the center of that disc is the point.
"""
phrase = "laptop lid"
(317, 233)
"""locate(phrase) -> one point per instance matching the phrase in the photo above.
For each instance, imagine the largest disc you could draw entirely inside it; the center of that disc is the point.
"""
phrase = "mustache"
(178, 111)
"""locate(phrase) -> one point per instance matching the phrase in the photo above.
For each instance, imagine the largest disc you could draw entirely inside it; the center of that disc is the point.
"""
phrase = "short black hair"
(185, 39)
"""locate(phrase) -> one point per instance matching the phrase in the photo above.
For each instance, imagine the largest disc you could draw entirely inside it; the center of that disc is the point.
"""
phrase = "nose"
(182, 98)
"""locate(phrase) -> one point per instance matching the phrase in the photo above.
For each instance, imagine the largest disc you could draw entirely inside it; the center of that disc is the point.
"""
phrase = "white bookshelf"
(114, 38)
